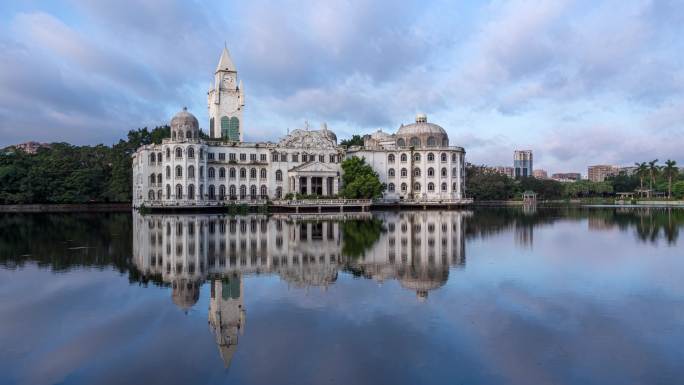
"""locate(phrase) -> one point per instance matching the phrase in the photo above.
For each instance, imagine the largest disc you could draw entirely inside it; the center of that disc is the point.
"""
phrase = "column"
(325, 186)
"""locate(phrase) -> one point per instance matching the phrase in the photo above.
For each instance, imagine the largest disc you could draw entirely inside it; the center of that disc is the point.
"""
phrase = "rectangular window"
(243, 157)
(222, 156)
(263, 157)
(295, 158)
(305, 158)
(274, 157)
(332, 158)
(211, 156)
(321, 158)
(283, 157)
(231, 156)
(252, 157)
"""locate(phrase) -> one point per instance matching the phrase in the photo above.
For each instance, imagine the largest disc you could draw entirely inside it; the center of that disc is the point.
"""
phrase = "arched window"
(232, 173)
(191, 191)
(173, 135)
(168, 191)
(153, 158)
(390, 187)
(403, 187)
(225, 123)
(431, 172)
(279, 192)
(431, 157)
(243, 191)
(159, 178)
(188, 134)
(404, 173)
(453, 186)
(279, 176)
(179, 152)
(212, 192)
(168, 153)
(444, 172)
(153, 179)
(191, 152)
(159, 194)
(201, 175)
(264, 193)
(159, 157)
(444, 187)
(211, 128)
(453, 157)
(431, 141)
(191, 171)
(416, 157)
(416, 187)
(231, 192)
(253, 192)
(445, 142)
(179, 191)
(415, 142)
(262, 173)
(390, 158)
(201, 192)
(390, 173)
(222, 192)
(150, 195)
(222, 173)
(401, 142)
(431, 186)
(454, 172)
(444, 157)
(403, 158)
(416, 171)
(252, 173)
(179, 172)
(243, 173)
(234, 129)
(211, 173)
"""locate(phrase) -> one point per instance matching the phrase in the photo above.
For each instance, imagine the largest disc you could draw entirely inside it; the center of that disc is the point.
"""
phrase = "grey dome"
(184, 125)
(422, 134)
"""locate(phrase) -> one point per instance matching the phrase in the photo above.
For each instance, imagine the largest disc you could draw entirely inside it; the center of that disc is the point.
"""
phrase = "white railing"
(322, 202)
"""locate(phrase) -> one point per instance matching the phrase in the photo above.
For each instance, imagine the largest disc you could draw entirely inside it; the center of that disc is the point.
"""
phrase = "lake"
(479, 296)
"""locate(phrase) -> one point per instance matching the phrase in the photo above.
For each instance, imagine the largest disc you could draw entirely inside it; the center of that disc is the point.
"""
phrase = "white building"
(416, 163)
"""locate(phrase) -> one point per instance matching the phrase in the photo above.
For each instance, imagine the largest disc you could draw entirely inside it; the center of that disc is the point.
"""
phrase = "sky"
(577, 82)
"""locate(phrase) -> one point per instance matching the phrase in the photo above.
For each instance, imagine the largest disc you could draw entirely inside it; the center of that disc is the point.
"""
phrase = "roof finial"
(185, 108)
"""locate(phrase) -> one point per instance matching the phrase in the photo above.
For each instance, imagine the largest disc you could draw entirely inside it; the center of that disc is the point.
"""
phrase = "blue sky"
(578, 82)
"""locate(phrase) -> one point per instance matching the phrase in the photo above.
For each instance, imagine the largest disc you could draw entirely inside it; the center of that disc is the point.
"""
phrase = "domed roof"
(184, 119)
(421, 127)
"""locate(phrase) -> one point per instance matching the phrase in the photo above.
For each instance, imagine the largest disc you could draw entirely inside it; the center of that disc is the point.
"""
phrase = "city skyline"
(578, 84)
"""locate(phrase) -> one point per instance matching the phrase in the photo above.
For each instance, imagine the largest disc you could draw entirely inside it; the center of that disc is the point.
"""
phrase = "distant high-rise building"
(599, 173)
(508, 171)
(540, 174)
(566, 176)
(31, 147)
(629, 170)
(522, 163)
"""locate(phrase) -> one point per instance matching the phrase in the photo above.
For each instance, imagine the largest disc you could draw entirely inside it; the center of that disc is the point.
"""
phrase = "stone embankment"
(65, 208)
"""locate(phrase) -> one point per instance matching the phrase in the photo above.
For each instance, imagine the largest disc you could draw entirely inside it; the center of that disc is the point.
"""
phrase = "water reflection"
(184, 251)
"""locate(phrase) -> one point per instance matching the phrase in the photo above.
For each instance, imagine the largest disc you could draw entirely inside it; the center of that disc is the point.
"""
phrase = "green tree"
(641, 172)
(355, 140)
(359, 180)
(678, 189)
(670, 171)
(653, 171)
(484, 183)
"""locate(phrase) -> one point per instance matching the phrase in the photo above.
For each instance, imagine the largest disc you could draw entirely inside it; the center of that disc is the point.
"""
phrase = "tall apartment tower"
(226, 101)
(522, 163)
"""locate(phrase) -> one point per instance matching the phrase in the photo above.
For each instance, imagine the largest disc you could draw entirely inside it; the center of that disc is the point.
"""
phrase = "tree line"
(485, 183)
(64, 173)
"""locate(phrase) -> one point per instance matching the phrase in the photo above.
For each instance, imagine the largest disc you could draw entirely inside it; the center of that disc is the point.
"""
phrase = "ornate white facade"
(187, 170)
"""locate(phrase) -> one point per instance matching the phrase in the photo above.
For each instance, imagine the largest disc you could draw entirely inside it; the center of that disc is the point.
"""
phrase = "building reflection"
(185, 251)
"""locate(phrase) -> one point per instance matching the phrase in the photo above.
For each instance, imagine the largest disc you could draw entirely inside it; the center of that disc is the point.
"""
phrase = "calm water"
(491, 296)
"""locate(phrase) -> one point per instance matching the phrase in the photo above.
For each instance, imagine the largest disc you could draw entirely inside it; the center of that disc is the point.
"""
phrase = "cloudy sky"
(578, 82)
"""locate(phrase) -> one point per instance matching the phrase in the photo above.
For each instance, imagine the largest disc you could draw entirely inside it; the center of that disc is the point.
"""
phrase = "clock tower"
(226, 101)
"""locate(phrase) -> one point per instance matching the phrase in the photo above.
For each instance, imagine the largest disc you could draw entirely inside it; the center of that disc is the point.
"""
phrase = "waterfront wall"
(65, 208)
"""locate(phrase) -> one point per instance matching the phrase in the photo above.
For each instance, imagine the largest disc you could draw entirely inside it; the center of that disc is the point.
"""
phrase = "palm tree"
(670, 170)
(653, 169)
(641, 171)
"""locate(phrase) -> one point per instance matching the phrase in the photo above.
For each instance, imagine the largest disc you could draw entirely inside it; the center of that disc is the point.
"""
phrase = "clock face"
(228, 80)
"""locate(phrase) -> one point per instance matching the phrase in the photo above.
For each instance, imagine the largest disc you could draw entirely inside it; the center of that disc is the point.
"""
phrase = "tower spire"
(225, 62)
